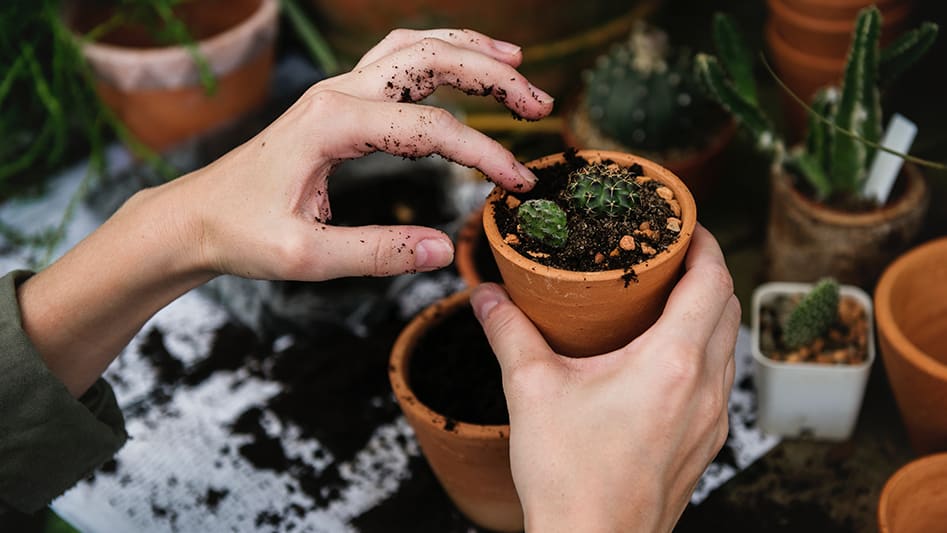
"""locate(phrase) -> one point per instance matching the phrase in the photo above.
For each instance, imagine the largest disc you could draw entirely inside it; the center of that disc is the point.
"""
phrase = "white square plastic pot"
(814, 400)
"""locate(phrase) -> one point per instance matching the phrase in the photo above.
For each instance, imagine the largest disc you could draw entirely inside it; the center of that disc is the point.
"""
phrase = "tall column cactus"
(844, 125)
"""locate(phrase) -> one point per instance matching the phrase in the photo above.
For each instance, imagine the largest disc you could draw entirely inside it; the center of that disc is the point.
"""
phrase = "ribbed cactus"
(838, 151)
(544, 221)
(601, 189)
(813, 315)
(643, 94)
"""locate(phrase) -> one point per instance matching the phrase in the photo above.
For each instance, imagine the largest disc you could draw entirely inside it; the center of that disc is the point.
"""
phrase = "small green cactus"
(608, 190)
(544, 221)
(813, 315)
(836, 157)
(643, 94)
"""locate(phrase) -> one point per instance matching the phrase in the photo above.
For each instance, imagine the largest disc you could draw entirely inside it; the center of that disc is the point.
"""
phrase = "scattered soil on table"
(594, 243)
(846, 341)
(454, 372)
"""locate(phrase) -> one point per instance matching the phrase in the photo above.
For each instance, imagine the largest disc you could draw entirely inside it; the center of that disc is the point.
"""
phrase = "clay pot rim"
(653, 170)
(884, 294)
(694, 156)
(893, 16)
(764, 290)
(267, 10)
(916, 187)
(401, 352)
(794, 55)
(893, 482)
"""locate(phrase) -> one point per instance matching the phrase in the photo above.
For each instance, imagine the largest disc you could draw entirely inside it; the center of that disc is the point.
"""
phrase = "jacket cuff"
(48, 440)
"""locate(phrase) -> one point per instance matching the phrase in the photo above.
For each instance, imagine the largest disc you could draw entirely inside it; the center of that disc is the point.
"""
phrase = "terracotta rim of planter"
(400, 364)
(834, 8)
(884, 293)
(652, 170)
(906, 202)
(779, 46)
(465, 256)
(787, 287)
(920, 464)
(897, 14)
(225, 51)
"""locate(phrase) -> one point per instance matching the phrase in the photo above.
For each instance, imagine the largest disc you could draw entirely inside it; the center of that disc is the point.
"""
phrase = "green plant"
(602, 189)
(813, 315)
(643, 94)
(544, 221)
(844, 124)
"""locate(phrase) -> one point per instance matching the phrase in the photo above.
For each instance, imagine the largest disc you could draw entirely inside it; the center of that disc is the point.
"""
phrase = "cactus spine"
(544, 221)
(836, 157)
(601, 189)
(813, 315)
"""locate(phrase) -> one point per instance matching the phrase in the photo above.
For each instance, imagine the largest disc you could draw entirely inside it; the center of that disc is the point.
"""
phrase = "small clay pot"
(911, 310)
(698, 168)
(589, 313)
(471, 461)
(156, 91)
(807, 240)
(914, 500)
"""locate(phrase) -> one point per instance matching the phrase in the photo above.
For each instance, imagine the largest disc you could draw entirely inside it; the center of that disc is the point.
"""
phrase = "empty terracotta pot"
(156, 90)
(471, 461)
(911, 311)
(588, 313)
(807, 240)
(914, 500)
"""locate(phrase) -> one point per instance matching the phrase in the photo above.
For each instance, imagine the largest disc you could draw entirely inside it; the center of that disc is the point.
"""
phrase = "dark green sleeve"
(48, 439)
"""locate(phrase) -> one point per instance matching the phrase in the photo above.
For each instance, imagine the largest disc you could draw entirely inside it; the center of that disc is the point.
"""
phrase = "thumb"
(513, 337)
(380, 251)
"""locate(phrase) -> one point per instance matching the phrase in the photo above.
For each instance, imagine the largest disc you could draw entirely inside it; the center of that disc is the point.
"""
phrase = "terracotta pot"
(588, 313)
(914, 499)
(698, 168)
(465, 248)
(471, 461)
(911, 310)
(156, 91)
(806, 240)
(558, 38)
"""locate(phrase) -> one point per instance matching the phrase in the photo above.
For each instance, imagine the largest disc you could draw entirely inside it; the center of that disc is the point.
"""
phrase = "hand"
(262, 210)
(271, 209)
(617, 442)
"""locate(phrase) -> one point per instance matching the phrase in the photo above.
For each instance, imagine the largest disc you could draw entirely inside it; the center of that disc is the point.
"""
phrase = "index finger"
(508, 53)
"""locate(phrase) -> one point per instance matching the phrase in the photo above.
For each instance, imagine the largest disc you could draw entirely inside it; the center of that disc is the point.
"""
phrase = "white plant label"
(886, 166)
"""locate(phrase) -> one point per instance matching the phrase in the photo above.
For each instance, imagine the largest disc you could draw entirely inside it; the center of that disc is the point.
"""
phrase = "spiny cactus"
(836, 157)
(544, 221)
(813, 315)
(643, 95)
(602, 189)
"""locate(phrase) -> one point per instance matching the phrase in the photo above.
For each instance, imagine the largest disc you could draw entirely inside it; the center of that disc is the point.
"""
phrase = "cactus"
(643, 95)
(602, 189)
(813, 315)
(544, 221)
(843, 124)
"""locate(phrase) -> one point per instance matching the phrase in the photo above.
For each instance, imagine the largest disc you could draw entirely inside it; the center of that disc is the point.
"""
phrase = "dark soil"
(846, 202)
(590, 237)
(844, 343)
(455, 373)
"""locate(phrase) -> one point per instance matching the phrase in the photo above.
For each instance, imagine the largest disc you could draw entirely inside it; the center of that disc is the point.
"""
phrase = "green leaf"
(734, 55)
(746, 112)
(904, 52)
(811, 169)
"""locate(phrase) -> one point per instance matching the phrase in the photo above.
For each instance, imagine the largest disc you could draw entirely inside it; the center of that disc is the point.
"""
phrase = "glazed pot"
(807, 240)
(816, 400)
(911, 300)
(914, 499)
(471, 461)
(698, 168)
(156, 90)
(588, 313)
(558, 37)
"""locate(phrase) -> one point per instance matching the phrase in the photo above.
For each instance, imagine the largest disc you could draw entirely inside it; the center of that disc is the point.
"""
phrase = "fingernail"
(483, 299)
(525, 173)
(540, 95)
(505, 47)
(430, 254)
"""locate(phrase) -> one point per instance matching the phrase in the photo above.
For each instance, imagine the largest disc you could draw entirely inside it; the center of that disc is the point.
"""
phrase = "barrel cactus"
(813, 315)
(643, 95)
(543, 221)
(600, 189)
